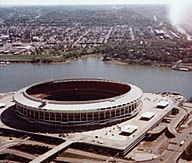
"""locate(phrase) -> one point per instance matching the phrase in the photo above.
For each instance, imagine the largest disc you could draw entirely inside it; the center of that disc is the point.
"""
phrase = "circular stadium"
(78, 102)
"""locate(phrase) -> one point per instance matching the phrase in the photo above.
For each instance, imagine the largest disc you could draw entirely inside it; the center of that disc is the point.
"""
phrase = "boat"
(182, 68)
(4, 64)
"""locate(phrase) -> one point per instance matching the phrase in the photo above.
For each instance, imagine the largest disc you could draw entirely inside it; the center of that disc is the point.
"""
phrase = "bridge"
(52, 152)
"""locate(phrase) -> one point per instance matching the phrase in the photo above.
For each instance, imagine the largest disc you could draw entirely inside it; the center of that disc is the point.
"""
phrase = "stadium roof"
(134, 94)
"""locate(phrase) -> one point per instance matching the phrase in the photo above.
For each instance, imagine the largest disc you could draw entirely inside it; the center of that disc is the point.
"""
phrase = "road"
(75, 43)
(95, 156)
(107, 37)
(131, 32)
(180, 117)
(174, 150)
(20, 154)
(173, 156)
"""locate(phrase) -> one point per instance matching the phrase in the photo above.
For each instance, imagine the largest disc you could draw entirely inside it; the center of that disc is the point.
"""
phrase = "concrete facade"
(87, 112)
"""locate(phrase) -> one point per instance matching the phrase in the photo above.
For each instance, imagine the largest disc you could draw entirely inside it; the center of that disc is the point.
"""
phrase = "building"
(78, 102)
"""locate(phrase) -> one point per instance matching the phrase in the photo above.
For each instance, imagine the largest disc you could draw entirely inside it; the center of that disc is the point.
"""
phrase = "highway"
(174, 155)
(175, 149)
(180, 117)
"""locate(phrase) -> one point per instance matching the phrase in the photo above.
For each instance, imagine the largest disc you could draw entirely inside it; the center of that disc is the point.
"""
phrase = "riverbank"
(49, 59)
(121, 62)
(186, 68)
(97, 56)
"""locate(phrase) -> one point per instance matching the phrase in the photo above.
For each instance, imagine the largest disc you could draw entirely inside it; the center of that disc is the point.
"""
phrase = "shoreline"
(118, 62)
(97, 56)
(69, 60)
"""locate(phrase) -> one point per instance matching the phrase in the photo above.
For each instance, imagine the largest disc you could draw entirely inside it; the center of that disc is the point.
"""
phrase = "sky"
(89, 2)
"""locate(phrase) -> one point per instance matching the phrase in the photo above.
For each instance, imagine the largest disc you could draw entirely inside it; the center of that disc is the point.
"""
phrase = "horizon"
(89, 2)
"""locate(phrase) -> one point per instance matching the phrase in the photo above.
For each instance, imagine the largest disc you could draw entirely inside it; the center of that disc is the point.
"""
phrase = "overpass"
(52, 152)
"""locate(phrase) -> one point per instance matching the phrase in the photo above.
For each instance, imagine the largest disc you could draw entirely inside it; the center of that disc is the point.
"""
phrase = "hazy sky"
(73, 2)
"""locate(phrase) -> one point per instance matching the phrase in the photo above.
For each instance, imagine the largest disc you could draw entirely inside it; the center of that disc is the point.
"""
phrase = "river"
(149, 79)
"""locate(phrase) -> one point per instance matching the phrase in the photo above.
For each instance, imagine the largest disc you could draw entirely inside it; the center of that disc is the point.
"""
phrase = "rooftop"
(147, 115)
(162, 104)
(129, 129)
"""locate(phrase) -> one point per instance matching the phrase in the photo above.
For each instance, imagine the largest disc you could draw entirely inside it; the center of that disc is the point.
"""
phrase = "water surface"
(149, 79)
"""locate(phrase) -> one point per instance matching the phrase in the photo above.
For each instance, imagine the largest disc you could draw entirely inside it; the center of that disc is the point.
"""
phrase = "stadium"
(78, 102)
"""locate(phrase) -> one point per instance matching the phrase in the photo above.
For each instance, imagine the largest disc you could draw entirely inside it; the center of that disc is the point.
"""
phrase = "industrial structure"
(78, 102)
